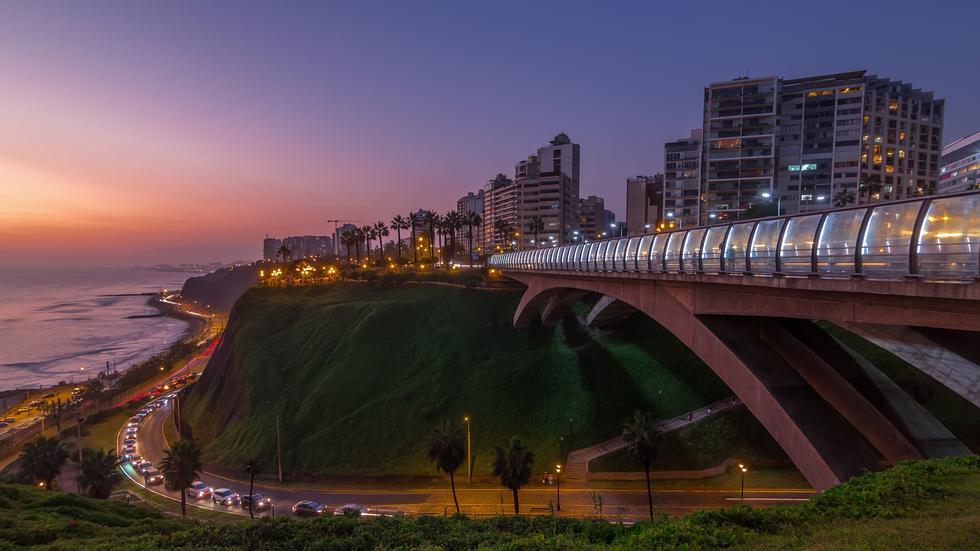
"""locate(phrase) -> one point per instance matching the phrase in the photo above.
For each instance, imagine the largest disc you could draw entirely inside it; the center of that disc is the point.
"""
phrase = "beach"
(67, 324)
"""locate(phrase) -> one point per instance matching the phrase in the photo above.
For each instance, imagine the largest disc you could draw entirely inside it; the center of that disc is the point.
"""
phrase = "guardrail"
(934, 238)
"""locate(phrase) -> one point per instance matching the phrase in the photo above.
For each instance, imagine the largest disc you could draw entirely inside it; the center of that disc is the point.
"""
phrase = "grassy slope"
(361, 372)
(918, 505)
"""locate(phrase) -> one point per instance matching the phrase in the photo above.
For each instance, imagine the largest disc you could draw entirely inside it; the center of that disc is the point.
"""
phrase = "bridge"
(745, 297)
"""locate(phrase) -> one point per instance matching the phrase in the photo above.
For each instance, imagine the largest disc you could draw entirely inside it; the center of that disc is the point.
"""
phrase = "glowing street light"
(743, 469)
(558, 487)
(469, 449)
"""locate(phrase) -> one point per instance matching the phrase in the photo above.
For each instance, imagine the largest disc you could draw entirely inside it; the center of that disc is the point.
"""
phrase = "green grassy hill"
(916, 505)
(360, 372)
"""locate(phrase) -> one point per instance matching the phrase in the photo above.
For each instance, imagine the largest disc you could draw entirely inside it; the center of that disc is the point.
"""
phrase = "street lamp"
(743, 469)
(558, 487)
(469, 451)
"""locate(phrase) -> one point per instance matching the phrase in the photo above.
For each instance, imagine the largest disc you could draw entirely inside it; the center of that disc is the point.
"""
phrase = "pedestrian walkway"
(578, 460)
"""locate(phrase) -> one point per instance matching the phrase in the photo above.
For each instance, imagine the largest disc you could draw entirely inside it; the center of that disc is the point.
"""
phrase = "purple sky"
(178, 132)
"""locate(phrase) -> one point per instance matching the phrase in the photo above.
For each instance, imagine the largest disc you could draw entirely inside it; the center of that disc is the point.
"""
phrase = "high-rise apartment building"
(740, 125)
(300, 246)
(595, 221)
(270, 248)
(471, 203)
(960, 165)
(772, 145)
(644, 203)
(546, 186)
(682, 181)
(500, 204)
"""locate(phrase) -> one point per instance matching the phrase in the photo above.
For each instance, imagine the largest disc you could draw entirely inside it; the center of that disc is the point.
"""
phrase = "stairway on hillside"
(578, 460)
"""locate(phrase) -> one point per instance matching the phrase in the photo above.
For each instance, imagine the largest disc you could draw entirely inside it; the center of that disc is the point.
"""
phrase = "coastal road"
(622, 502)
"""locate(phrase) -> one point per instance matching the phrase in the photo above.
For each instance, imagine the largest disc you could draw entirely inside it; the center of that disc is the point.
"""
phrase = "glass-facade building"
(961, 165)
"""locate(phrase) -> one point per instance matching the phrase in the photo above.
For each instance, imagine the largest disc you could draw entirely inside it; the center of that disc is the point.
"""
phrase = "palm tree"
(505, 230)
(181, 466)
(399, 223)
(415, 219)
(843, 198)
(447, 448)
(284, 252)
(369, 235)
(98, 472)
(513, 467)
(251, 469)
(535, 226)
(432, 219)
(472, 219)
(43, 458)
(435, 227)
(380, 232)
(361, 234)
(349, 237)
(454, 221)
(870, 187)
(641, 433)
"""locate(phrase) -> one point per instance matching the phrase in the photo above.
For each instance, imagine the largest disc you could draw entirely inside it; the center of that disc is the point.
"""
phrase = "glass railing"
(934, 238)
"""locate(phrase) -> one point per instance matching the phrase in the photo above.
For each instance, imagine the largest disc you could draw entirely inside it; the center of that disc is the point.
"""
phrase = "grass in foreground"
(926, 504)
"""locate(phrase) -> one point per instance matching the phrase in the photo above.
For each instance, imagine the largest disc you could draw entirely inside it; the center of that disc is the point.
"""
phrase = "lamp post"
(469, 452)
(743, 469)
(278, 444)
(558, 487)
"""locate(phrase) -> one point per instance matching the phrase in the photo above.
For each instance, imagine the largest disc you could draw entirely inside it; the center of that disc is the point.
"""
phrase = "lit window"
(901, 135)
(893, 105)
(850, 89)
(901, 153)
(889, 169)
(877, 159)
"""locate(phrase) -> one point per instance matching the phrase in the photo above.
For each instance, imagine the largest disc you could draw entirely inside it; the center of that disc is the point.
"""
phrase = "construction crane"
(336, 241)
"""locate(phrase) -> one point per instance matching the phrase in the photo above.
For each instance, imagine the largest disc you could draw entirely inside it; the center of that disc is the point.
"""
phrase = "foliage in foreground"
(909, 490)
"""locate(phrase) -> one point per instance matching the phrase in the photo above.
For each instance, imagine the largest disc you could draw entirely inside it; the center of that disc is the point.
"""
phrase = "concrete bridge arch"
(827, 409)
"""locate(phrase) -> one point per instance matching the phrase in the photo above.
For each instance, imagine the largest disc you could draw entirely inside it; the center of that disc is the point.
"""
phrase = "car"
(131, 432)
(129, 442)
(351, 509)
(4, 423)
(9, 420)
(129, 449)
(133, 458)
(152, 476)
(225, 496)
(261, 502)
(309, 508)
(143, 465)
(198, 490)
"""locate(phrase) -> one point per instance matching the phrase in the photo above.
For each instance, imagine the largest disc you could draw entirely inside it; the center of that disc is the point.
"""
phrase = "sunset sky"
(142, 133)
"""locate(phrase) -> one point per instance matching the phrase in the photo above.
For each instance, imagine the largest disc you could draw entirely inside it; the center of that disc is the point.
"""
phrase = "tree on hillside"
(380, 232)
(447, 448)
(181, 466)
(640, 433)
(415, 220)
(843, 198)
(98, 472)
(536, 226)
(399, 223)
(472, 220)
(43, 458)
(284, 252)
(513, 467)
(251, 469)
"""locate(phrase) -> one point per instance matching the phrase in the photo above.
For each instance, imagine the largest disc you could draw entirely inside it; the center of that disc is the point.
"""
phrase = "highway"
(619, 503)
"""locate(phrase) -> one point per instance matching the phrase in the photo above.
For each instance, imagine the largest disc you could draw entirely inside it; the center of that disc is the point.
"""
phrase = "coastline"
(196, 326)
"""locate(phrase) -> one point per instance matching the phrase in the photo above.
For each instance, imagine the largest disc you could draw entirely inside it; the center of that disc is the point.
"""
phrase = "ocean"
(64, 324)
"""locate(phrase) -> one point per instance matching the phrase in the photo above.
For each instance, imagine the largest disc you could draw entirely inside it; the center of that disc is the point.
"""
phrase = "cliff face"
(221, 288)
(360, 373)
